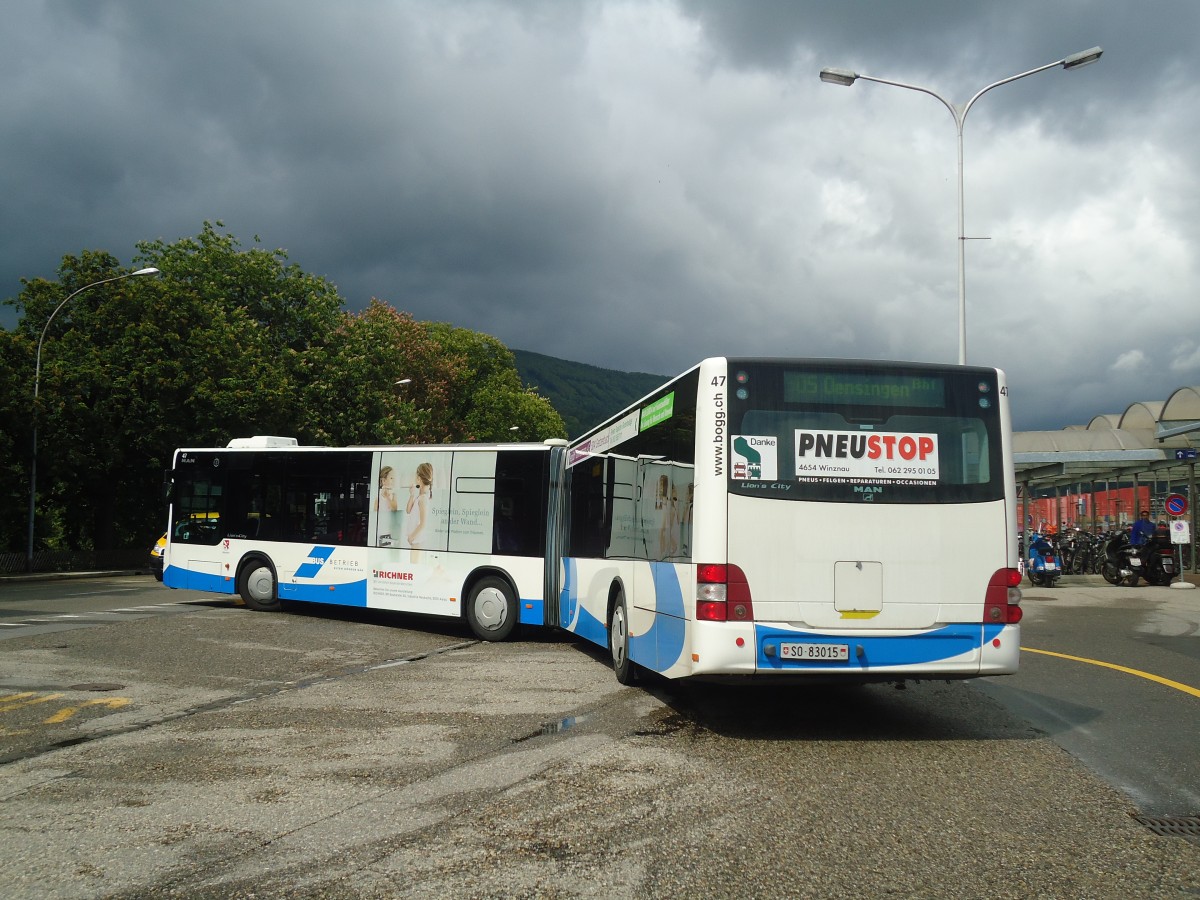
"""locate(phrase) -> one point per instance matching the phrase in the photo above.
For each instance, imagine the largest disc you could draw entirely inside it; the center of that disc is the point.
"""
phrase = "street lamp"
(846, 77)
(37, 373)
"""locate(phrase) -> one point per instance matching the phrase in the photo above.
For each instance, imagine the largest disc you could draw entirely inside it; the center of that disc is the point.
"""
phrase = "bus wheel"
(257, 587)
(618, 643)
(492, 609)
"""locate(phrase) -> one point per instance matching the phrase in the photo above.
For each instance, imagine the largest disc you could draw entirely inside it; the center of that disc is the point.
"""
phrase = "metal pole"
(1192, 507)
(846, 77)
(962, 249)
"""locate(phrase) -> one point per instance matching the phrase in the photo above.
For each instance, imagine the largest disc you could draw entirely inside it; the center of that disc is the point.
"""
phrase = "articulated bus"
(803, 519)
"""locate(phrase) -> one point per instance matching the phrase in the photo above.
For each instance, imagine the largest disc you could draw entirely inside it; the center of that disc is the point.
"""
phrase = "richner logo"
(392, 576)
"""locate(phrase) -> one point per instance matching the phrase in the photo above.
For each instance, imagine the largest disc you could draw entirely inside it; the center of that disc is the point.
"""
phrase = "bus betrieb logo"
(317, 557)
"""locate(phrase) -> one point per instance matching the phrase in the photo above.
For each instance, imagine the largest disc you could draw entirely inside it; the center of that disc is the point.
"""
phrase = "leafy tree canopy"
(227, 342)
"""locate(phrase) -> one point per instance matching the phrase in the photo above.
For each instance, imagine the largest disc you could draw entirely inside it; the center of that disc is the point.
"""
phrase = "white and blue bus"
(799, 518)
(804, 519)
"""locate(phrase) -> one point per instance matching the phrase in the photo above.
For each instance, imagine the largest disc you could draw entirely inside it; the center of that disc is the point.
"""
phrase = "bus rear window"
(865, 434)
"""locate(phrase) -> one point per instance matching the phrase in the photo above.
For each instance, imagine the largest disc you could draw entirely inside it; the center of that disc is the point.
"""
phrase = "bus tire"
(618, 642)
(256, 585)
(492, 609)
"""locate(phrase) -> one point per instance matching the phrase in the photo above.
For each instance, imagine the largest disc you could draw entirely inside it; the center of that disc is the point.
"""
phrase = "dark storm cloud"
(638, 184)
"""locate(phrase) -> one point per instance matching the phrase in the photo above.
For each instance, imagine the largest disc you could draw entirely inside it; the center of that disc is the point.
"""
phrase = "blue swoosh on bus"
(317, 557)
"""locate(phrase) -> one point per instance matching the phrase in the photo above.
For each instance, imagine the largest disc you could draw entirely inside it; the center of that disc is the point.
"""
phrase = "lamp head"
(844, 77)
(1083, 58)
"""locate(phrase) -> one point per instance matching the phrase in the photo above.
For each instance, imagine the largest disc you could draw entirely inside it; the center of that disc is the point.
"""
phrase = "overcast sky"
(638, 185)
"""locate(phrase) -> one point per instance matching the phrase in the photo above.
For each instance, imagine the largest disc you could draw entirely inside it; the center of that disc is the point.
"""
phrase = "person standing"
(1143, 530)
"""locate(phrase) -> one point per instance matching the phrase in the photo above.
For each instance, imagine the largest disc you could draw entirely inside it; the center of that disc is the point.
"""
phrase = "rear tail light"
(1002, 602)
(722, 594)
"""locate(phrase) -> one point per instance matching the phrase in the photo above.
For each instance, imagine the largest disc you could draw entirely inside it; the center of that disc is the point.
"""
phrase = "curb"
(57, 576)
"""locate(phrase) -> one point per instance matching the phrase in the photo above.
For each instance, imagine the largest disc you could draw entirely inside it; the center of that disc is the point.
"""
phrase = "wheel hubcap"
(491, 608)
(617, 636)
(261, 584)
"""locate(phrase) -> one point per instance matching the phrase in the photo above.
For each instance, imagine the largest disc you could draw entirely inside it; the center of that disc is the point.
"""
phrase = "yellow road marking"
(10, 697)
(67, 711)
(9, 707)
(1195, 692)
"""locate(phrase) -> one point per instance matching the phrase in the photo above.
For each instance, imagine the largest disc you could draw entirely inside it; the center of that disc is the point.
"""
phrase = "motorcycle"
(1042, 564)
(1158, 558)
(1122, 561)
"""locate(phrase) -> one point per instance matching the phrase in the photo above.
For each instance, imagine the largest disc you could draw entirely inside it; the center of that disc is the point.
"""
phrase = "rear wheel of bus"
(256, 585)
(492, 609)
(618, 641)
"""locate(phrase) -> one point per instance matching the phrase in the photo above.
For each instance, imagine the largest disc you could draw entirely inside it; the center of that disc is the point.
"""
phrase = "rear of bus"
(870, 521)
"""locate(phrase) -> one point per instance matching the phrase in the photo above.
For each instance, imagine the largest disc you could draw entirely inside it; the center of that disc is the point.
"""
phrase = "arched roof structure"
(1183, 405)
(1108, 420)
(1144, 414)
(1149, 435)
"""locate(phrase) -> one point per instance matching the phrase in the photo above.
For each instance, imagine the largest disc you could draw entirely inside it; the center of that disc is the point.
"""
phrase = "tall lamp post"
(846, 77)
(37, 373)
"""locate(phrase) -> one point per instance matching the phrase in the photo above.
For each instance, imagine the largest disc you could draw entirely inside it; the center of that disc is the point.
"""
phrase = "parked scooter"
(1122, 561)
(1158, 557)
(1042, 562)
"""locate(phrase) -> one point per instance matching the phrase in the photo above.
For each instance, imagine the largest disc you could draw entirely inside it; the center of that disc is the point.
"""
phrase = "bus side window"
(518, 519)
(506, 537)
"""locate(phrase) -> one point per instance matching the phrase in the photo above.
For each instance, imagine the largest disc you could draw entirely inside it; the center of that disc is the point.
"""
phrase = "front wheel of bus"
(257, 587)
(618, 643)
(492, 609)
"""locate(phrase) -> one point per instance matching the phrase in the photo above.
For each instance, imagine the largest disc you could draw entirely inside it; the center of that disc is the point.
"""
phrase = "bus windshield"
(831, 431)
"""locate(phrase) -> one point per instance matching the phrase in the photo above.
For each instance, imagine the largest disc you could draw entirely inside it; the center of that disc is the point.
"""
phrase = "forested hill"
(583, 395)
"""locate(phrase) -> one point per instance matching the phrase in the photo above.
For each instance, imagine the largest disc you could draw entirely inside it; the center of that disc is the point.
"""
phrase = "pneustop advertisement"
(857, 455)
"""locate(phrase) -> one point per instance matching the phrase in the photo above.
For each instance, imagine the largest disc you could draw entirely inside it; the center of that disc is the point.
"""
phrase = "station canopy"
(1149, 436)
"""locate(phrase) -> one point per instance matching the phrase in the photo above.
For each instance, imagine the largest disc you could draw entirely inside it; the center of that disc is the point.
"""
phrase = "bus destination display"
(864, 389)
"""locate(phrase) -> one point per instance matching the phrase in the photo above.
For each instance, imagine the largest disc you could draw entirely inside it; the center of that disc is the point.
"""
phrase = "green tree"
(16, 397)
(84, 400)
(134, 369)
(228, 345)
(227, 342)
(350, 381)
(296, 309)
(486, 400)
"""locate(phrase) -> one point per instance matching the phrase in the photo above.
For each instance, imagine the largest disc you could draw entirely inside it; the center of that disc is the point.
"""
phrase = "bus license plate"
(815, 652)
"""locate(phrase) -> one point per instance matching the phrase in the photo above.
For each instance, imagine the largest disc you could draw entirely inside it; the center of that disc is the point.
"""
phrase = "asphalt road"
(1112, 675)
(155, 748)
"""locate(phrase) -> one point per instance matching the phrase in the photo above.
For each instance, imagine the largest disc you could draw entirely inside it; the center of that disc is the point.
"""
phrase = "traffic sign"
(1186, 454)
(1176, 504)
(1180, 532)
